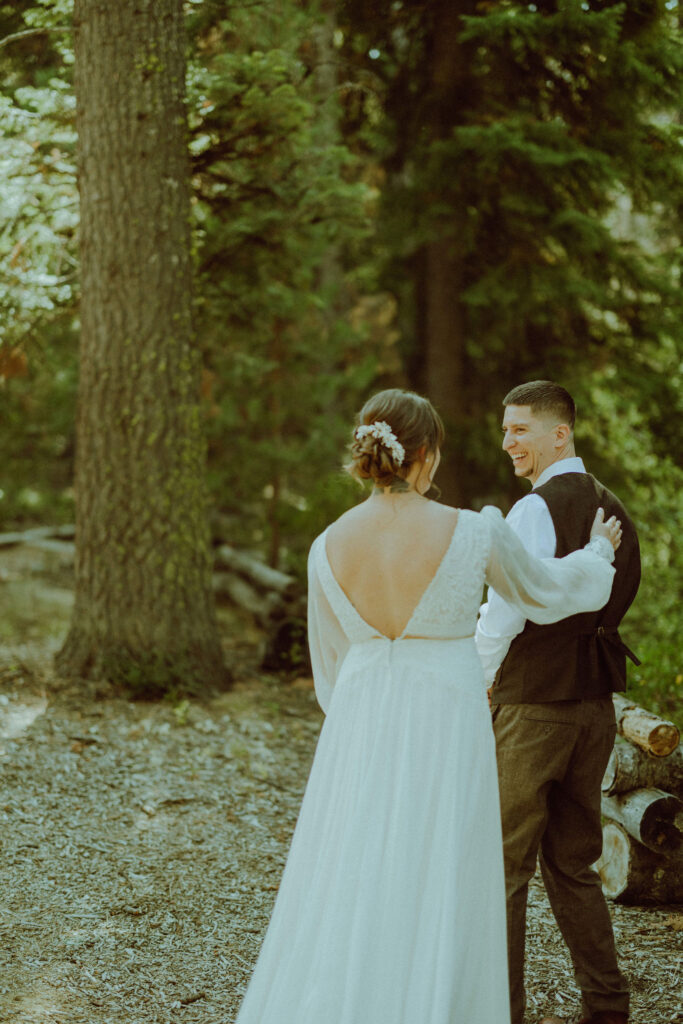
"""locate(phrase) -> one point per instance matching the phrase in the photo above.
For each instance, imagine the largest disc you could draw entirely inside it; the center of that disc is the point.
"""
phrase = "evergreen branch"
(33, 32)
(240, 193)
(225, 149)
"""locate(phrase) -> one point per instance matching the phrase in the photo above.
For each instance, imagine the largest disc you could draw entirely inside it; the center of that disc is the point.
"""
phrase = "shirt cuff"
(601, 546)
(492, 651)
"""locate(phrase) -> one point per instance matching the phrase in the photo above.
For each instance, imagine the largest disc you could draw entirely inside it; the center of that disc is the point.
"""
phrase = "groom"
(551, 696)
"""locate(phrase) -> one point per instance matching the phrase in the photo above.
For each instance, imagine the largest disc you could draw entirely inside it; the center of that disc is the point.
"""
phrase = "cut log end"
(630, 767)
(649, 815)
(663, 739)
(649, 732)
(614, 861)
(632, 874)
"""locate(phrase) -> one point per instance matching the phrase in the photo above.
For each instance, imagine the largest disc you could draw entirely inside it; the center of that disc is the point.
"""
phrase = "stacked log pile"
(251, 584)
(274, 599)
(57, 540)
(642, 802)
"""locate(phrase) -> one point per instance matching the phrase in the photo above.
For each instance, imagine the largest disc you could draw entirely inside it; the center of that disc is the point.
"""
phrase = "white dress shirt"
(499, 623)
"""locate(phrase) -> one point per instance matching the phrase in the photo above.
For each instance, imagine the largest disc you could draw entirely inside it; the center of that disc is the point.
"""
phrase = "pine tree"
(144, 612)
(277, 208)
(514, 131)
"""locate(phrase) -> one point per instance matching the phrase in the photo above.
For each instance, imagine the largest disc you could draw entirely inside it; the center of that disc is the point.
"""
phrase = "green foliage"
(326, 158)
(555, 114)
(628, 447)
(38, 211)
(39, 197)
(656, 684)
(277, 211)
(36, 435)
(38, 265)
(548, 155)
(275, 202)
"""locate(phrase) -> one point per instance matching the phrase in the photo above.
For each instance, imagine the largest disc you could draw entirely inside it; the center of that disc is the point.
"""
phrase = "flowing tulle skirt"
(391, 908)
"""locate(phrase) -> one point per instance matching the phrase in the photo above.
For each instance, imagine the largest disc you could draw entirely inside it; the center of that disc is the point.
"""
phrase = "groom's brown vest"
(583, 656)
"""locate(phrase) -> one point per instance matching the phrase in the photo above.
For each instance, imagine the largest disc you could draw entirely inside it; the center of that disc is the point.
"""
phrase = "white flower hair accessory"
(386, 437)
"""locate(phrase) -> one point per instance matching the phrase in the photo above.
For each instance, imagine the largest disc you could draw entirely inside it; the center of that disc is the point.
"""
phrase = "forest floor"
(142, 843)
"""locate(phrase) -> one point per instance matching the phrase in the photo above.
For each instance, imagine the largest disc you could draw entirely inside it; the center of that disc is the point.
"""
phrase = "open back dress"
(391, 908)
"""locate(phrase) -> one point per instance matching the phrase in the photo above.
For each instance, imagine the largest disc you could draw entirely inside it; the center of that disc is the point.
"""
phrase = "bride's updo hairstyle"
(392, 427)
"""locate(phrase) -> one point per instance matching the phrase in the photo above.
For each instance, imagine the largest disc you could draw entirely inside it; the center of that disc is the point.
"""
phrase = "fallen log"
(36, 533)
(649, 732)
(629, 768)
(283, 619)
(275, 599)
(651, 816)
(66, 549)
(256, 571)
(262, 606)
(630, 873)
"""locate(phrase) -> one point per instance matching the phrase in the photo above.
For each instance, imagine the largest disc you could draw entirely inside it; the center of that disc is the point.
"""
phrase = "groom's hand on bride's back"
(610, 529)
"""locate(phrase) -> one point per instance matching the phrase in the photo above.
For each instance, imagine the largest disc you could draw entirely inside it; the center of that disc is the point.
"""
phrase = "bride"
(391, 908)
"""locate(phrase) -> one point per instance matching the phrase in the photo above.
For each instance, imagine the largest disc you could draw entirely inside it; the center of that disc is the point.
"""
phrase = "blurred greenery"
(327, 162)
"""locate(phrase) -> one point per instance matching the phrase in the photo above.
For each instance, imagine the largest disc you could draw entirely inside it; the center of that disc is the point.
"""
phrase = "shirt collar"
(571, 465)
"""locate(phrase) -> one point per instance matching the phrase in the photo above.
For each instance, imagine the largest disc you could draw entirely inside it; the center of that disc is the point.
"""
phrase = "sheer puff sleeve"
(327, 641)
(547, 589)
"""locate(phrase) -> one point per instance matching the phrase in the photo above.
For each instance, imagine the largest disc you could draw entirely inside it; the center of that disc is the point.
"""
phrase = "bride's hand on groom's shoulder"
(610, 529)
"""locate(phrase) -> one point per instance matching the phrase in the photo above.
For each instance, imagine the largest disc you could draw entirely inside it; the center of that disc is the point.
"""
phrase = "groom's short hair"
(544, 396)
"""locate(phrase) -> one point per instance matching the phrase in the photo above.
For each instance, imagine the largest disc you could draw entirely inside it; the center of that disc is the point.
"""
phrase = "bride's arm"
(549, 589)
(327, 641)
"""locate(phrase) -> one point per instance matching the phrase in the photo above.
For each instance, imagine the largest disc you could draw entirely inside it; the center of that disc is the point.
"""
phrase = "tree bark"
(649, 732)
(444, 370)
(632, 874)
(651, 816)
(144, 605)
(442, 318)
(330, 278)
(629, 768)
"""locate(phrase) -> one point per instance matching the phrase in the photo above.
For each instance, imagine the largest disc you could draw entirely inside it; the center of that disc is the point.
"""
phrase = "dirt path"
(142, 845)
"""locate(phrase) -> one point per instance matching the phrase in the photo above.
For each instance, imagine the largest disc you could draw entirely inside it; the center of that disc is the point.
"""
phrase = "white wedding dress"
(391, 908)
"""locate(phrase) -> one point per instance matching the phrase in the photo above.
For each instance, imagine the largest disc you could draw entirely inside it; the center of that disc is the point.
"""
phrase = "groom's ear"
(563, 432)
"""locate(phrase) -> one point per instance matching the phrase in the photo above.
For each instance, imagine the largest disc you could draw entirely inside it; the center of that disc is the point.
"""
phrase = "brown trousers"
(551, 760)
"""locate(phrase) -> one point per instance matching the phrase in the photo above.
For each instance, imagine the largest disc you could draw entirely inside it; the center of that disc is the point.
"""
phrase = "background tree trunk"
(444, 350)
(144, 612)
(441, 283)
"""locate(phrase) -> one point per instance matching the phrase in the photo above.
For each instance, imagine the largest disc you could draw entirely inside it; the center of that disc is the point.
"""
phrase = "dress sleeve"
(546, 589)
(327, 640)
(500, 622)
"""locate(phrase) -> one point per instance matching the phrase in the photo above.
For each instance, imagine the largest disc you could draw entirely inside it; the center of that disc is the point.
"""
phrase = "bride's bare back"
(384, 554)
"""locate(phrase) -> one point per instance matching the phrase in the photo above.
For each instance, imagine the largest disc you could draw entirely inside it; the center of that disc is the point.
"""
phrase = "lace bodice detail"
(483, 549)
(448, 607)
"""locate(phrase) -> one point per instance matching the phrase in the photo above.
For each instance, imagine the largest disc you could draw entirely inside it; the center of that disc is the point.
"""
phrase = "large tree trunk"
(444, 369)
(144, 609)
(441, 314)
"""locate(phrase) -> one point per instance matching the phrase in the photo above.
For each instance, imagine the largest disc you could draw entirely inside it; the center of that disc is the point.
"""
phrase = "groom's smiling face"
(532, 440)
